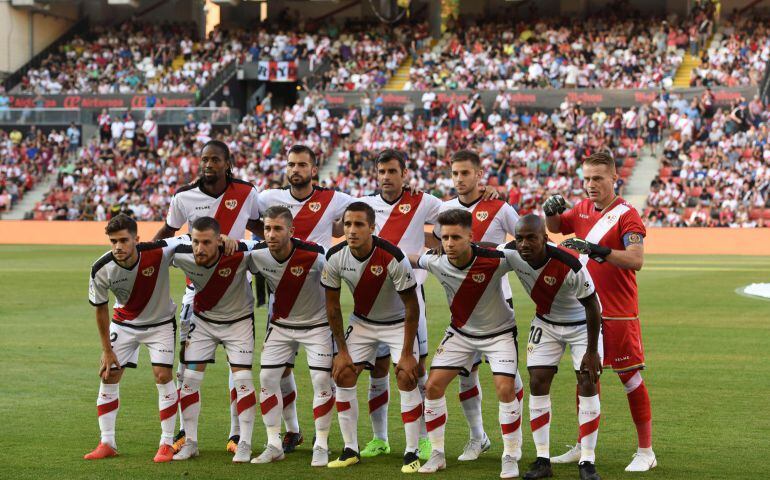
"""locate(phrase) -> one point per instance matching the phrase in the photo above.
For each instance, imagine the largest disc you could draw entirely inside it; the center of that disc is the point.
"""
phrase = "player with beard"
(315, 211)
(233, 203)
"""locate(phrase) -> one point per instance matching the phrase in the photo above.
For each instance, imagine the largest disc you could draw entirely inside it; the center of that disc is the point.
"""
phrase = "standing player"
(492, 221)
(400, 216)
(482, 323)
(567, 313)
(610, 242)
(223, 312)
(385, 310)
(315, 211)
(143, 314)
(233, 203)
(292, 269)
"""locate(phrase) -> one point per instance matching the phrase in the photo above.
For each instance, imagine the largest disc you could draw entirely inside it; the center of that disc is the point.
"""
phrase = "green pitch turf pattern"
(707, 357)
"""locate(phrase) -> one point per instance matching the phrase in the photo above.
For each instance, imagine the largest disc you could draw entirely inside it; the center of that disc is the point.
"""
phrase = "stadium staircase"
(399, 79)
(638, 183)
(690, 63)
(31, 199)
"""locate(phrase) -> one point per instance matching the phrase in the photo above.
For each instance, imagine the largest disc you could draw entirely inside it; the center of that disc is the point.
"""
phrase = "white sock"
(191, 402)
(235, 428)
(347, 416)
(289, 392)
(518, 388)
(509, 415)
(470, 400)
(323, 403)
(271, 404)
(421, 381)
(411, 412)
(107, 406)
(379, 393)
(179, 379)
(245, 403)
(588, 415)
(435, 422)
(168, 400)
(540, 423)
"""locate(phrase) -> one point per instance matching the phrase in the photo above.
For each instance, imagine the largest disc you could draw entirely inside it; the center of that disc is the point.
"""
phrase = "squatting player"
(233, 203)
(143, 314)
(567, 312)
(292, 269)
(482, 323)
(609, 239)
(493, 220)
(385, 310)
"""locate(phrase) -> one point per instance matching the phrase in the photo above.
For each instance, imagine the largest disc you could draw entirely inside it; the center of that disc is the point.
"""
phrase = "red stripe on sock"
(169, 411)
(246, 402)
(188, 400)
(107, 407)
(268, 404)
(589, 427)
(323, 409)
(412, 415)
(510, 427)
(233, 395)
(469, 393)
(435, 423)
(540, 421)
(378, 401)
(290, 397)
(520, 395)
(343, 406)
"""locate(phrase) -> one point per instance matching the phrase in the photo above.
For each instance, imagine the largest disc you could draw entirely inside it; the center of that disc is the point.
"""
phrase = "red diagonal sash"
(547, 285)
(400, 217)
(473, 287)
(371, 281)
(288, 288)
(144, 284)
(311, 212)
(483, 214)
(231, 204)
(221, 278)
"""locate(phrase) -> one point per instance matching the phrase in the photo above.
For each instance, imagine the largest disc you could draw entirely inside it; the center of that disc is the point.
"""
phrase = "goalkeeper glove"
(555, 206)
(594, 251)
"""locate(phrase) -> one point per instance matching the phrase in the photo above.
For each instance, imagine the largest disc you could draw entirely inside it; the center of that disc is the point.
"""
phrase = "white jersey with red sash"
(493, 221)
(375, 280)
(477, 304)
(299, 298)
(222, 294)
(142, 291)
(556, 286)
(314, 215)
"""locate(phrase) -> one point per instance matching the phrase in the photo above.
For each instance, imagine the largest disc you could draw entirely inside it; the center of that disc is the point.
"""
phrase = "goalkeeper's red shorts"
(623, 350)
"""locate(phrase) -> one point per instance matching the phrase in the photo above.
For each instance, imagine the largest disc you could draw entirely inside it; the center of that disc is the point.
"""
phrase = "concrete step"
(31, 198)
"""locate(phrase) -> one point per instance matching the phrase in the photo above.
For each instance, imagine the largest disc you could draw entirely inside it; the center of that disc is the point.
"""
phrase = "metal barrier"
(39, 116)
(764, 87)
(179, 116)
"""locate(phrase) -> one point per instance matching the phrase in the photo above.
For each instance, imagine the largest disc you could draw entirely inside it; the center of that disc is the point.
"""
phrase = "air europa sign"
(100, 101)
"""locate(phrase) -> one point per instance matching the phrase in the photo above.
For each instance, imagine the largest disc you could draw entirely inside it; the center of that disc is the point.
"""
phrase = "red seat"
(696, 191)
(665, 172)
(755, 213)
(766, 214)
(629, 162)
(687, 212)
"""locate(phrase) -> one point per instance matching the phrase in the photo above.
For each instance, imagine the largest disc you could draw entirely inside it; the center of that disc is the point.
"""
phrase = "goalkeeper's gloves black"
(594, 251)
(555, 206)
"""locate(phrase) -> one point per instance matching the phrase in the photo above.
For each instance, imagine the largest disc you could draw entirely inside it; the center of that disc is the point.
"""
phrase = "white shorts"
(461, 352)
(160, 340)
(422, 330)
(547, 343)
(364, 338)
(477, 358)
(236, 337)
(282, 343)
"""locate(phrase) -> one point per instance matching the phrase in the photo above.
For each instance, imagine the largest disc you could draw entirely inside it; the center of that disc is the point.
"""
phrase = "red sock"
(639, 404)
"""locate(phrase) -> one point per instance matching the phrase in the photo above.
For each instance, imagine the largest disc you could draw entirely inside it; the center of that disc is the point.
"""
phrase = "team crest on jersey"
(314, 206)
(231, 204)
(376, 270)
(611, 218)
(147, 272)
(405, 208)
(550, 281)
(297, 271)
(225, 272)
(482, 215)
(479, 277)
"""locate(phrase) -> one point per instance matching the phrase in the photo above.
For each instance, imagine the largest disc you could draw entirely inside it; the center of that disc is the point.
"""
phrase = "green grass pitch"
(707, 357)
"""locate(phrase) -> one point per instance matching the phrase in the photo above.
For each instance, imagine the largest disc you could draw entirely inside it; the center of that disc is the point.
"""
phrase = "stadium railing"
(764, 87)
(178, 116)
(39, 116)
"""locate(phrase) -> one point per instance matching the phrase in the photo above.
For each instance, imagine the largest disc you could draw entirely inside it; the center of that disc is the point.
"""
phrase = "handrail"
(14, 78)
(764, 87)
(215, 83)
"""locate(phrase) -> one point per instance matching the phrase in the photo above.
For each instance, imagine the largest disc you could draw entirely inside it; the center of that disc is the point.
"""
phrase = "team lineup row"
(383, 272)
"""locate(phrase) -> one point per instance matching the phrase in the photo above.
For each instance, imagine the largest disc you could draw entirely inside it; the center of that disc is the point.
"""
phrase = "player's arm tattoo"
(334, 315)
